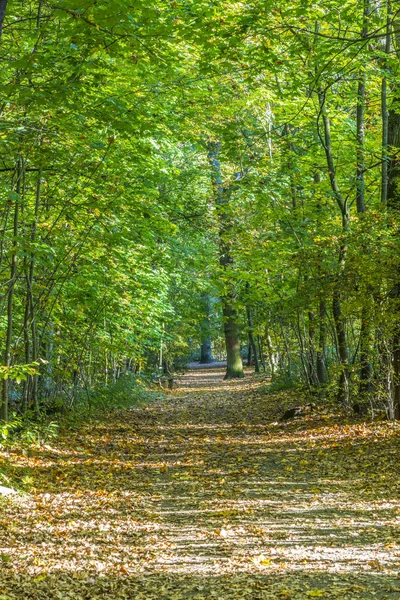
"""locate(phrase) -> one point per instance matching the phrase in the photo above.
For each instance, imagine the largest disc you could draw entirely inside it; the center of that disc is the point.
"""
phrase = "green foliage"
(22, 431)
(111, 237)
(18, 372)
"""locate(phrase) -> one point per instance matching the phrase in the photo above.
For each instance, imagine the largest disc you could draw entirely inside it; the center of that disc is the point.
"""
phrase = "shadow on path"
(204, 494)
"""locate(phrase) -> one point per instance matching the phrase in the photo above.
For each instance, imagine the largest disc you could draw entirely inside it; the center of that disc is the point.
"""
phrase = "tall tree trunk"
(252, 342)
(384, 110)
(10, 294)
(312, 368)
(231, 330)
(270, 353)
(321, 352)
(234, 368)
(343, 388)
(3, 9)
(360, 150)
(393, 201)
(365, 330)
(365, 343)
(205, 350)
(205, 353)
(303, 353)
(343, 391)
(261, 352)
(31, 305)
(249, 354)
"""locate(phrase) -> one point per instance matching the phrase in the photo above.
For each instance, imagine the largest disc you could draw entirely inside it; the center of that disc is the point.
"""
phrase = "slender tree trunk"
(385, 112)
(288, 354)
(231, 330)
(360, 151)
(343, 388)
(343, 391)
(303, 354)
(321, 352)
(261, 352)
(365, 330)
(205, 351)
(393, 201)
(249, 354)
(312, 368)
(270, 353)
(206, 355)
(365, 343)
(35, 345)
(27, 346)
(252, 343)
(3, 9)
(10, 295)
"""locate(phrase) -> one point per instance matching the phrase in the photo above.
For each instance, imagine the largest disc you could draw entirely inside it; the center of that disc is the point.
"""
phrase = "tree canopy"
(179, 170)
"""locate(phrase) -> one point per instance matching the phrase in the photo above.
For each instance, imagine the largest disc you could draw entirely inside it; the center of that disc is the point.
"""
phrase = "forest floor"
(205, 494)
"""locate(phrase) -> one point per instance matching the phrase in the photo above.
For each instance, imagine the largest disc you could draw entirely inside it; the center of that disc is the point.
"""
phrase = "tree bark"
(393, 202)
(231, 330)
(205, 349)
(360, 150)
(365, 367)
(205, 354)
(321, 352)
(365, 342)
(312, 368)
(234, 368)
(10, 295)
(343, 391)
(3, 9)
(252, 343)
(343, 388)
(384, 110)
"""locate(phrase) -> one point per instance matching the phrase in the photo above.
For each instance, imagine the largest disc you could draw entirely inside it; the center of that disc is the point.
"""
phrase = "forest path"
(204, 494)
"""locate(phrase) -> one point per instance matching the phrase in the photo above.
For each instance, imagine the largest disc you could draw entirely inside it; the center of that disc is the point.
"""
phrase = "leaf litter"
(206, 494)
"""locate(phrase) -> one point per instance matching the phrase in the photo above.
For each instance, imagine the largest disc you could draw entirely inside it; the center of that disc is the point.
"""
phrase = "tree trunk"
(205, 355)
(10, 296)
(234, 367)
(3, 8)
(312, 370)
(393, 201)
(270, 353)
(252, 343)
(365, 367)
(321, 352)
(234, 360)
(385, 112)
(360, 150)
(365, 342)
(261, 352)
(344, 389)
(205, 351)
(249, 354)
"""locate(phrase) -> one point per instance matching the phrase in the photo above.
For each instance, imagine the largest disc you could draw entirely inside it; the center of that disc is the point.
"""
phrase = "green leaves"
(19, 372)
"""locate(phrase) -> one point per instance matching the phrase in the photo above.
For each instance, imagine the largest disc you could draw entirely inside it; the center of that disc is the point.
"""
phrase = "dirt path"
(206, 495)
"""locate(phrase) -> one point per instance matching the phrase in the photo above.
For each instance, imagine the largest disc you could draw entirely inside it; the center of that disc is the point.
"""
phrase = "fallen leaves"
(262, 561)
(206, 495)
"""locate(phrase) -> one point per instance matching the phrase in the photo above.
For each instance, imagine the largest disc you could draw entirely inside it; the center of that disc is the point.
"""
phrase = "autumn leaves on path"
(205, 494)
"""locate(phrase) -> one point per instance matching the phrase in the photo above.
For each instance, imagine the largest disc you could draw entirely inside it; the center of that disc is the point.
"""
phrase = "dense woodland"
(199, 173)
(199, 299)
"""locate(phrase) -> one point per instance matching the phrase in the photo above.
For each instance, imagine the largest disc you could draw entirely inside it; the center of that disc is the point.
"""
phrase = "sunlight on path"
(205, 494)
